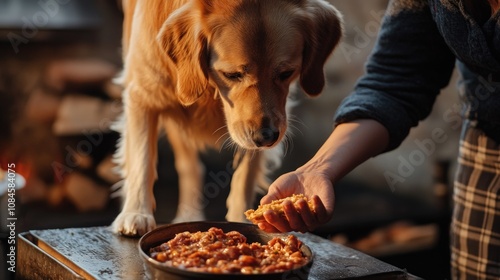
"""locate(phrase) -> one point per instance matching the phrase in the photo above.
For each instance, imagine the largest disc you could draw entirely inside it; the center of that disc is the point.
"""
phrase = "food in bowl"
(215, 251)
(256, 216)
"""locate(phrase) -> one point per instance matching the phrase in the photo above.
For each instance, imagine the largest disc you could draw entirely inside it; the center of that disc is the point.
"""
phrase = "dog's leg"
(251, 172)
(243, 185)
(137, 158)
(191, 173)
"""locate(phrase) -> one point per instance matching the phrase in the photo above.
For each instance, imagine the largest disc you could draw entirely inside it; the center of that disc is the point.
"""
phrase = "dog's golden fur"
(211, 71)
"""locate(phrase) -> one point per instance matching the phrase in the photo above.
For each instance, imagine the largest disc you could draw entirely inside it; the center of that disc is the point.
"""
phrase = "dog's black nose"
(265, 137)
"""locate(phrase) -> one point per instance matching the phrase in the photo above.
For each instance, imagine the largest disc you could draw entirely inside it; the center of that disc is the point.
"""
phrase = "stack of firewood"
(62, 139)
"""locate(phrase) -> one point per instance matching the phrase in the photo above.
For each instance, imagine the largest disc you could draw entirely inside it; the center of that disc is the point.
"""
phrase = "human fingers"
(308, 217)
(294, 217)
(277, 221)
(267, 227)
(268, 198)
(322, 215)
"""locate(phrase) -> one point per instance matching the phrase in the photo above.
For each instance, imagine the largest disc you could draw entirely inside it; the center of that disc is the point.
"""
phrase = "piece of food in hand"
(256, 216)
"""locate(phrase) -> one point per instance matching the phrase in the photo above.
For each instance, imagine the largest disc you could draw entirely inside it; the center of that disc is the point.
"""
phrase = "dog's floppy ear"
(186, 46)
(322, 31)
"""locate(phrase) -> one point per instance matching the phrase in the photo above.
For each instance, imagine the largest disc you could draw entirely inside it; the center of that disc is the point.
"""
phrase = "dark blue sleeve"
(408, 67)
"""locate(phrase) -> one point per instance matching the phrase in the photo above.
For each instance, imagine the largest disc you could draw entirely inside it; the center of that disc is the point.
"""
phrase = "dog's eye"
(285, 75)
(234, 76)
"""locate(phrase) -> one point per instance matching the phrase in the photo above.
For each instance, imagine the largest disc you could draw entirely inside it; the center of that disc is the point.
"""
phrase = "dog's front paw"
(133, 224)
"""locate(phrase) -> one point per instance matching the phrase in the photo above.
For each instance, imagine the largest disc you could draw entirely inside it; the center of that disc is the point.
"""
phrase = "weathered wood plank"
(97, 253)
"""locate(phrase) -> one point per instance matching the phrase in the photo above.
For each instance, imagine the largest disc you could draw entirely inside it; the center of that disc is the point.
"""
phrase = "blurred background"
(57, 102)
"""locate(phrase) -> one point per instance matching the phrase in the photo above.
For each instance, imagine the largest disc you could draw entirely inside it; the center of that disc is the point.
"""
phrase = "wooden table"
(96, 253)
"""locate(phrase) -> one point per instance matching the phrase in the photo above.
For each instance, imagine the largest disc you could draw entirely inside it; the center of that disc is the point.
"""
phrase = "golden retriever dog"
(211, 72)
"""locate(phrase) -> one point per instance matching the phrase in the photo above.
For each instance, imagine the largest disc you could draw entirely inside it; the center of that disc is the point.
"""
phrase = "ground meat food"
(214, 251)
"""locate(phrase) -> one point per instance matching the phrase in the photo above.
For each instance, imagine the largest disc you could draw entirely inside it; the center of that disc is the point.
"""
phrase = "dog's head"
(250, 51)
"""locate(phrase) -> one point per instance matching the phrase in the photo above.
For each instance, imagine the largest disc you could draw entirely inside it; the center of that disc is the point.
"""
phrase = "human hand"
(314, 185)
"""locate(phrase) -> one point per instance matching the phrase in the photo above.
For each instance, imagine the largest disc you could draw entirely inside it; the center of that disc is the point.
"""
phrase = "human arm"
(349, 145)
(406, 71)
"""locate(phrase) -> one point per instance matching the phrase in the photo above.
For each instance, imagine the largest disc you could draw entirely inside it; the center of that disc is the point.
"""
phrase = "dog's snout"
(265, 137)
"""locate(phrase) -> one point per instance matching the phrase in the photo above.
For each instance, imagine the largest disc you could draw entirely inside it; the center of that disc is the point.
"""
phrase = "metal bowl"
(158, 270)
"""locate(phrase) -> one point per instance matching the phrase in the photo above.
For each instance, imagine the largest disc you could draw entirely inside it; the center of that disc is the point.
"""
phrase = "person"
(419, 44)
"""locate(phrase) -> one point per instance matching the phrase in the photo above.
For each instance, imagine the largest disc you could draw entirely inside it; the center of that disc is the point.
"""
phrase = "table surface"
(97, 253)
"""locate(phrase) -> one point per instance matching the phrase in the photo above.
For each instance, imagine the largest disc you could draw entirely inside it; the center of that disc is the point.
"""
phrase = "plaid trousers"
(475, 227)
